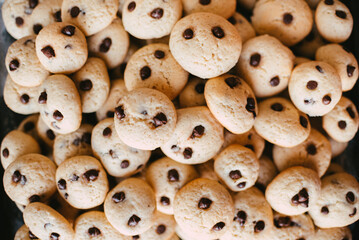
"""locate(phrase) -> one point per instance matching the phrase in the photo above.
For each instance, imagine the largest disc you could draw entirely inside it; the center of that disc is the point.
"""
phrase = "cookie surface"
(224, 8)
(244, 27)
(162, 229)
(267, 172)
(192, 94)
(332, 233)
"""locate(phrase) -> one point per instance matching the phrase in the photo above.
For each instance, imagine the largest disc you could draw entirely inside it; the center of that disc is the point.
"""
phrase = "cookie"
(335, 14)
(60, 104)
(162, 229)
(150, 19)
(15, 144)
(337, 147)
(314, 153)
(30, 178)
(332, 234)
(28, 126)
(206, 170)
(224, 8)
(343, 61)
(309, 45)
(46, 135)
(315, 88)
(204, 208)
(73, 144)
(299, 60)
(61, 48)
(23, 233)
(166, 177)
(288, 21)
(294, 191)
(237, 167)
(266, 64)
(21, 61)
(280, 123)
(110, 44)
(90, 16)
(145, 119)
(253, 217)
(46, 223)
(232, 102)
(192, 94)
(82, 182)
(196, 129)
(244, 27)
(153, 66)
(267, 172)
(93, 83)
(130, 207)
(118, 159)
(197, 41)
(342, 122)
(338, 203)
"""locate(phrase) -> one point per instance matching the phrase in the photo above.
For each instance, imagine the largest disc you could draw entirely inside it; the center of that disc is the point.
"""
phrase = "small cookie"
(111, 44)
(150, 19)
(21, 61)
(61, 48)
(342, 122)
(130, 207)
(334, 21)
(15, 144)
(224, 8)
(153, 66)
(192, 94)
(244, 27)
(204, 208)
(167, 177)
(337, 147)
(197, 41)
(315, 88)
(280, 123)
(237, 167)
(206, 170)
(266, 64)
(30, 178)
(46, 223)
(28, 126)
(338, 203)
(45, 133)
(267, 172)
(309, 45)
(162, 229)
(145, 118)
(196, 129)
(299, 60)
(232, 102)
(342, 233)
(90, 16)
(23, 233)
(294, 191)
(118, 159)
(82, 182)
(343, 61)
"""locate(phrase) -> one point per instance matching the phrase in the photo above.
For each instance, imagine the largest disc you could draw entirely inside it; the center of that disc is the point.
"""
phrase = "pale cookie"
(206, 45)
(224, 8)
(337, 147)
(267, 172)
(192, 94)
(23, 233)
(340, 233)
(162, 229)
(28, 126)
(299, 60)
(244, 27)
(309, 45)
(45, 133)
(334, 168)
(206, 170)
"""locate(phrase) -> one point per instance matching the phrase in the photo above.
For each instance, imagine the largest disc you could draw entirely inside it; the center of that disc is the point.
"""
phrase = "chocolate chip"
(24, 98)
(303, 121)
(198, 131)
(260, 225)
(105, 45)
(303, 195)
(14, 64)
(125, 164)
(91, 175)
(255, 60)
(173, 175)
(218, 227)
(54, 236)
(16, 176)
(131, 6)
(353, 213)
(23, 180)
(241, 217)
(48, 51)
(74, 178)
(274, 81)
(287, 18)
(165, 201)
(235, 174)
(204, 203)
(329, 2)
(350, 197)
(218, 32)
(199, 88)
(50, 134)
(68, 30)
(175, 148)
(310, 101)
(19, 21)
(110, 114)
(33, 3)
(204, 2)
(61, 184)
(119, 197)
(42, 98)
(311, 149)
(135, 237)
(32, 236)
(326, 100)
(157, 13)
(29, 126)
(34, 198)
(187, 153)
(68, 46)
(85, 85)
(159, 120)
(133, 221)
(145, 72)
(277, 107)
(241, 185)
(161, 229)
(282, 222)
(350, 70)
(57, 16)
(159, 54)
(75, 11)
(324, 210)
(232, 82)
(232, 20)
(94, 232)
(311, 85)
(188, 34)
(251, 106)
(37, 28)
(120, 113)
(341, 14)
(350, 112)
(57, 115)
(107, 132)
(342, 124)
(319, 69)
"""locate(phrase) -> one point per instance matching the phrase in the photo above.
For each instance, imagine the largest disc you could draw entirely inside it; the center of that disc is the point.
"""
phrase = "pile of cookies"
(192, 102)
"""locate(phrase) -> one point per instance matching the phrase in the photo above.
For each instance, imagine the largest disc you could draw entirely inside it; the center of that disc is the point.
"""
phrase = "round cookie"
(94, 224)
(167, 177)
(314, 153)
(299, 60)
(130, 207)
(46, 223)
(294, 191)
(337, 147)
(196, 129)
(197, 43)
(145, 118)
(342, 122)
(118, 159)
(224, 8)
(280, 123)
(267, 172)
(111, 44)
(21, 61)
(150, 19)
(204, 207)
(315, 88)
(266, 64)
(82, 182)
(61, 48)
(309, 45)
(15, 144)
(60, 104)
(23, 233)
(162, 229)
(253, 217)
(343, 61)
(90, 16)
(192, 94)
(334, 21)
(46, 135)
(232, 102)
(153, 66)
(28, 126)
(338, 203)
(289, 21)
(93, 83)
(73, 144)
(206, 170)
(245, 28)
(30, 178)
(342, 233)
(237, 167)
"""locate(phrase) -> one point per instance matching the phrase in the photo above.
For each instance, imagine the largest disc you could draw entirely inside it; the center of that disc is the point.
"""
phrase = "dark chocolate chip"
(120, 113)
(309, 101)
(232, 82)
(125, 164)
(329, 2)
(198, 131)
(241, 185)
(232, 20)
(173, 175)
(187, 153)
(255, 60)
(188, 34)
(131, 6)
(23, 180)
(85, 85)
(277, 107)
(24, 98)
(61, 184)
(133, 221)
(274, 81)
(303, 121)
(161, 229)
(287, 18)
(144, 112)
(204, 2)
(57, 115)
(57, 16)
(135, 237)
(105, 45)
(353, 213)
(350, 197)
(159, 120)
(74, 178)
(311, 149)
(218, 227)
(110, 114)
(282, 222)
(204, 203)
(91, 175)
(75, 11)
(29, 126)
(235, 174)
(303, 195)
(251, 106)
(50, 134)
(159, 54)
(43, 98)
(145, 72)
(32, 236)
(68, 30)
(241, 217)
(48, 51)
(311, 85)
(260, 225)
(34, 198)
(165, 201)
(33, 3)
(68, 46)
(199, 88)
(119, 197)
(157, 13)
(341, 14)
(37, 28)
(326, 100)
(218, 32)
(66, 195)
(5, 153)
(16, 176)
(342, 124)
(94, 232)
(14, 64)
(350, 70)
(54, 236)
(19, 21)
(324, 210)
(319, 69)
(107, 132)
